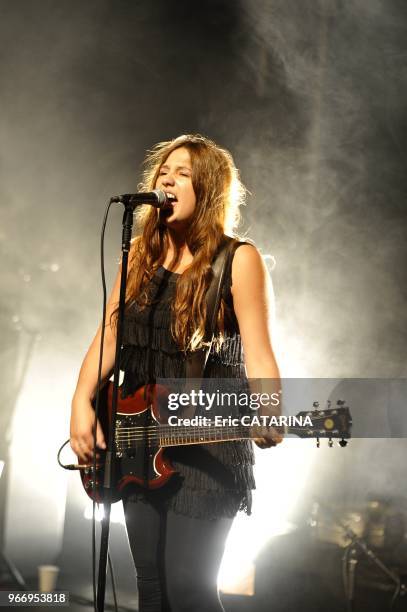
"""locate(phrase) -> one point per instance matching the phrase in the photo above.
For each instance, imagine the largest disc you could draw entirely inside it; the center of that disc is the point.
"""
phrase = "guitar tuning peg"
(340, 403)
(343, 443)
(318, 443)
(328, 404)
(330, 443)
(315, 404)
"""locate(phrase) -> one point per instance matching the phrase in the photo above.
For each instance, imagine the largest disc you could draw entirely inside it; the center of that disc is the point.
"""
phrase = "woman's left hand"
(268, 436)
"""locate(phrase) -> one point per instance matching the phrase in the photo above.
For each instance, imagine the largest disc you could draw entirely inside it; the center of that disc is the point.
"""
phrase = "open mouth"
(171, 198)
(168, 207)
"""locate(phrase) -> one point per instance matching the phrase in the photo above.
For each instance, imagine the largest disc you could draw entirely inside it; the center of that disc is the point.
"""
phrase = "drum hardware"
(357, 544)
(380, 521)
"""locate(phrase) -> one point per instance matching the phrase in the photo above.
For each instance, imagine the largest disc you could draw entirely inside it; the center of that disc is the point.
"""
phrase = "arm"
(252, 300)
(82, 413)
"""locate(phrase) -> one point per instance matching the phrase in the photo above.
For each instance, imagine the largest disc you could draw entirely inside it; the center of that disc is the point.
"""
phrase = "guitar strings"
(187, 433)
(140, 430)
(176, 429)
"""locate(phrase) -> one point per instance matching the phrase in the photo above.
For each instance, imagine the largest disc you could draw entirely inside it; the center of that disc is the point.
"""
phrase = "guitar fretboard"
(167, 435)
(175, 436)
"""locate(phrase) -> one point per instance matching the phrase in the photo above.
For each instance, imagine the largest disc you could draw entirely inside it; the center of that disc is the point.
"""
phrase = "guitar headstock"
(331, 423)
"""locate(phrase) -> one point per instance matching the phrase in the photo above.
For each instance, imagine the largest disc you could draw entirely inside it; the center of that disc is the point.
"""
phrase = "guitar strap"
(196, 361)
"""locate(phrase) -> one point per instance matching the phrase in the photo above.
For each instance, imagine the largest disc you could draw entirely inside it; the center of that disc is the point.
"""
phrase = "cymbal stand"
(350, 562)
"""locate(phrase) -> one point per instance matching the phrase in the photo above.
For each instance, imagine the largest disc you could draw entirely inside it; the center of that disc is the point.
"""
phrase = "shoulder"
(247, 254)
(250, 276)
(247, 261)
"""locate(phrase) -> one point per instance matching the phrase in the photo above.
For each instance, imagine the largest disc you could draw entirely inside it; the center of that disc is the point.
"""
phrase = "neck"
(178, 253)
(176, 240)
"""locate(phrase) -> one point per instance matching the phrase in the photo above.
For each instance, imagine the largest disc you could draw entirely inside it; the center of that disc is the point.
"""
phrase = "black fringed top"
(213, 480)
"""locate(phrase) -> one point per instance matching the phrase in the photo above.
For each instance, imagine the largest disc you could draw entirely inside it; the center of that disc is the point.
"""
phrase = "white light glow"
(270, 261)
(39, 425)
(281, 474)
(116, 513)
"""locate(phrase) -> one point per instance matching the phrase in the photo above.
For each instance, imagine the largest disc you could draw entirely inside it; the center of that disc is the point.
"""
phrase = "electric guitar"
(141, 439)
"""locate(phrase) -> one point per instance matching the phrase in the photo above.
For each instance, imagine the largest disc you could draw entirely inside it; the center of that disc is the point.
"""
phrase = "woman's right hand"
(82, 422)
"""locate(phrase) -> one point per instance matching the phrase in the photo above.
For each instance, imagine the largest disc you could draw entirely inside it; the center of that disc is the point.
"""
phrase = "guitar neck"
(180, 436)
(323, 424)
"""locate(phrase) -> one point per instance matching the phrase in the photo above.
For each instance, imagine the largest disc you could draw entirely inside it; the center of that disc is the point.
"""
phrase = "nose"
(167, 179)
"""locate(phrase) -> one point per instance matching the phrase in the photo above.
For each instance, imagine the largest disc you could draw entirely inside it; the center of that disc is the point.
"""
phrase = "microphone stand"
(111, 445)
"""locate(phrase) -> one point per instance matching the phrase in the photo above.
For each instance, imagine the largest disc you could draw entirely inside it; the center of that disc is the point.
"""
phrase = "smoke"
(325, 161)
(309, 98)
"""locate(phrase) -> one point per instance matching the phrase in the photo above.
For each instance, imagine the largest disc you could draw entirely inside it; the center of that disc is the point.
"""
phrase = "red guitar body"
(139, 458)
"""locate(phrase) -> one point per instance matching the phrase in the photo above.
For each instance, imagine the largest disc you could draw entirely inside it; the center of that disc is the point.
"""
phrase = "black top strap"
(196, 361)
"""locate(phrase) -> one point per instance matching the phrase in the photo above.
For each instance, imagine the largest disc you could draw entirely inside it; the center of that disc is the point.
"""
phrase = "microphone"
(156, 198)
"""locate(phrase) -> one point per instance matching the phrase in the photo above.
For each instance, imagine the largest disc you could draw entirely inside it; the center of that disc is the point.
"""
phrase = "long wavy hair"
(219, 193)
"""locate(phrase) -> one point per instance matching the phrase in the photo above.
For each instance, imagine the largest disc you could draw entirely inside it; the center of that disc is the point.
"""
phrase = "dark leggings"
(177, 558)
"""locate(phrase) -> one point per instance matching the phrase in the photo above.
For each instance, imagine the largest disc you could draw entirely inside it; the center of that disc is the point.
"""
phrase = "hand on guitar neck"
(270, 388)
(268, 437)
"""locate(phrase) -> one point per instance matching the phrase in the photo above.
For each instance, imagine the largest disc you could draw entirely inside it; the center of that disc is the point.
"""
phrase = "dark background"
(309, 96)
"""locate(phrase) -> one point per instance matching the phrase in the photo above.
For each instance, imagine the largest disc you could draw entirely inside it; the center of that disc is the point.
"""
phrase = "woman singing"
(177, 533)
